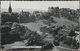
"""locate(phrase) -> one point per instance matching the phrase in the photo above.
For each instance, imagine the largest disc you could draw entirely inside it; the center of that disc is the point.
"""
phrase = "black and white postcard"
(40, 25)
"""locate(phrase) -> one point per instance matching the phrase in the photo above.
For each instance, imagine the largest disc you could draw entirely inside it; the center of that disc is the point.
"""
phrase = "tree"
(46, 15)
(5, 17)
(56, 14)
(35, 39)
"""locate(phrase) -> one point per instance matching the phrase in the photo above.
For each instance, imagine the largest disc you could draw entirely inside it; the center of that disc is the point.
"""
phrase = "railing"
(38, 49)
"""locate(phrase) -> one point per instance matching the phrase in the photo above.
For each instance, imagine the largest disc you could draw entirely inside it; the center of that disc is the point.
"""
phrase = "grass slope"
(62, 21)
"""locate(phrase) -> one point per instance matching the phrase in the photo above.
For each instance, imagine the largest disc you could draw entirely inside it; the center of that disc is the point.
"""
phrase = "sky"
(39, 5)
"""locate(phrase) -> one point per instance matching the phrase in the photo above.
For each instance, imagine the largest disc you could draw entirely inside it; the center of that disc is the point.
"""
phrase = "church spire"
(10, 9)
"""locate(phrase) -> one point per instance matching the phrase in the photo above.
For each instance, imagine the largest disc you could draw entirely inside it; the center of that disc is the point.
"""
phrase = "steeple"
(10, 9)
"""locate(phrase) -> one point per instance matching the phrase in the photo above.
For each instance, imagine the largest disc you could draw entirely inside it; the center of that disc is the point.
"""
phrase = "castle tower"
(10, 9)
